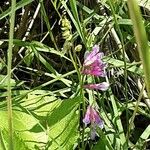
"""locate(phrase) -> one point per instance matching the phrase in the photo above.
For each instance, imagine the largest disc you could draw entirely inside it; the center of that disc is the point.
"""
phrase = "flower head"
(100, 86)
(93, 65)
(92, 117)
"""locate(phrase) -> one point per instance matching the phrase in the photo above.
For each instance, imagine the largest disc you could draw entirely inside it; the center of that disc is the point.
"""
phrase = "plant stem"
(141, 39)
(10, 46)
(111, 3)
(81, 80)
(135, 110)
(43, 11)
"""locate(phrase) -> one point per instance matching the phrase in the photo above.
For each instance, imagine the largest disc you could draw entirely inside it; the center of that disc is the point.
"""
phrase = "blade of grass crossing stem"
(43, 11)
(131, 124)
(43, 61)
(117, 119)
(141, 39)
(125, 58)
(18, 6)
(10, 47)
(75, 13)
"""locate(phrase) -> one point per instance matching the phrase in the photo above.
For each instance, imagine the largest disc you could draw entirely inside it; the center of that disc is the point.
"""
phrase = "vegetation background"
(42, 100)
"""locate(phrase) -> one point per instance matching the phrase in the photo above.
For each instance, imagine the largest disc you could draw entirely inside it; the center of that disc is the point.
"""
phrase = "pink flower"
(93, 117)
(100, 86)
(93, 65)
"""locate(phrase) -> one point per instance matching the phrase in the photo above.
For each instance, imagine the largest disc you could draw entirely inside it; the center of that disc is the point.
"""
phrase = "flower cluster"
(92, 117)
(93, 65)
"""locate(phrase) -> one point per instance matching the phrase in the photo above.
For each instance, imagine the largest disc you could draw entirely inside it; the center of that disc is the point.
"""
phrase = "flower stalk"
(92, 117)
(94, 66)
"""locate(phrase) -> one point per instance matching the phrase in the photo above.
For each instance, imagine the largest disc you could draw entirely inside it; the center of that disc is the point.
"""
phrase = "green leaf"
(125, 22)
(44, 48)
(29, 56)
(22, 124)
(63, 124)
(89, 11)
(32, 110)
(4, 82)
(43, 60)
(100, 145)
(103, 143)
(118, 63)
(46, 19)
(19, 144)
(144, 136)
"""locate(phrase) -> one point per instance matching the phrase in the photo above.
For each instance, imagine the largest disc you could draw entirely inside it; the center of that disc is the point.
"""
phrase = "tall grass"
(141, 39)
(9, 68)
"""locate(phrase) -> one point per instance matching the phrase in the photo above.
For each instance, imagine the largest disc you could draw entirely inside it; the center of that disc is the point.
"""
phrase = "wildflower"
(100, 86)
(93, 117)
(93, 65)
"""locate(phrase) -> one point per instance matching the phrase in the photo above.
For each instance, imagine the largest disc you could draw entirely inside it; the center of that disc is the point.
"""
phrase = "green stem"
(43, 11)
(10, 46)
(141, 39)
(81, 80)
(125, 64)
(135, 110)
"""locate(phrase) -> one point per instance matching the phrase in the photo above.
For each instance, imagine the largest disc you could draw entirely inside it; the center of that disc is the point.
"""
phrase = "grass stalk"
(135, 110)
(111, 3)
(141, 39)
(9, 63)
(43, 11)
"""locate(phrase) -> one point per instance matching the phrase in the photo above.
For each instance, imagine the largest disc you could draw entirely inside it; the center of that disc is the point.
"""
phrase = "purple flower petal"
(93, 117)
(92, 56)
(87, 118)
(93, 65)
(98, 120)
(100, 86)
(95, 69)
(100, 124)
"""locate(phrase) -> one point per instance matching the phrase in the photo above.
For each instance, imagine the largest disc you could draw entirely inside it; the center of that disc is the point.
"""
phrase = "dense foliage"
(74, 78)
